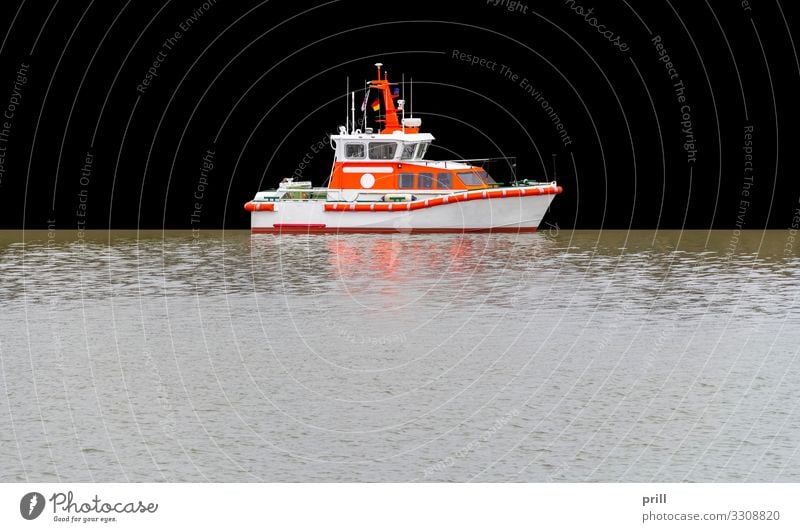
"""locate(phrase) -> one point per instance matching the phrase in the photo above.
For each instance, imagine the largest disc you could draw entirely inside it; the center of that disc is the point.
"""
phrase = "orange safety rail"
(441, 200)
(259, 206)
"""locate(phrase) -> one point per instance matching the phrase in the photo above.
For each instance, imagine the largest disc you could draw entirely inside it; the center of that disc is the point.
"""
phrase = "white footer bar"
(437, 507)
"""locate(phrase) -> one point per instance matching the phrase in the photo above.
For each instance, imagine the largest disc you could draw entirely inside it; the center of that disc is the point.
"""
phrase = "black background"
(259, 83)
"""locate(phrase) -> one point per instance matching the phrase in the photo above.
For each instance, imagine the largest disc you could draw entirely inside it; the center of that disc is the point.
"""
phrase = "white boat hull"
(500, 214)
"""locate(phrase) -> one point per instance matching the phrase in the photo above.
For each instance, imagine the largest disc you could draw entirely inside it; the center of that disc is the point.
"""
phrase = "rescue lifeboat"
(382, 182)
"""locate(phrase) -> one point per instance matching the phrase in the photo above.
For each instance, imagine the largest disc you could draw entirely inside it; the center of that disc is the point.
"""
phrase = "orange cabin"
(393, 159)
(410, 176)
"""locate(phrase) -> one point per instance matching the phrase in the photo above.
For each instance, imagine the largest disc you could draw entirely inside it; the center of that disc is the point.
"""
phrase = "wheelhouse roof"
(397, 135)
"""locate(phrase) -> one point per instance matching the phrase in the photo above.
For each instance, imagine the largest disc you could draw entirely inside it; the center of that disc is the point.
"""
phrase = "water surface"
(570, 356)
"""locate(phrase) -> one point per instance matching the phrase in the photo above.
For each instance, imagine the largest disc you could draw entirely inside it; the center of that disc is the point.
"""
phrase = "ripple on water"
(596, 356)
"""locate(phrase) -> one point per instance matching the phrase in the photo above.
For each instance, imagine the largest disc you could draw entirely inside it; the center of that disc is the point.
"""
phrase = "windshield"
(408, 151)
(382, 150)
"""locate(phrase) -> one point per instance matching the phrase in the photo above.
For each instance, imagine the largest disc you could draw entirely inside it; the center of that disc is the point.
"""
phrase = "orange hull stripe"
(433, 202)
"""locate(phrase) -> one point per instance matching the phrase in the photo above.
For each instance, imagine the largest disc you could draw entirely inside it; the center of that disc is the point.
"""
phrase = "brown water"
(601, 356)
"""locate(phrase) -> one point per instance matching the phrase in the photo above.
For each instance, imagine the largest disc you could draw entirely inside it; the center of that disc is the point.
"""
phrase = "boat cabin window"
(425, 180)
(405, 180)
(408, 151)
(444, 180)
(354, 150)
(423, 147)
(470, 179)
(486, 178)
(476, 178)
(382, 150)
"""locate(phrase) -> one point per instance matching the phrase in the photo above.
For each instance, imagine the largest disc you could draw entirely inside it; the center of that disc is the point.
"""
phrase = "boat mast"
(364, 105)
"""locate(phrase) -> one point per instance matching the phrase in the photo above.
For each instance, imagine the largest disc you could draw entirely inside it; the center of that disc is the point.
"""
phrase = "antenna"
(402, 101)
(411, 99)
(555, 168)
(353, 111)
(346, 114)
(379, 65)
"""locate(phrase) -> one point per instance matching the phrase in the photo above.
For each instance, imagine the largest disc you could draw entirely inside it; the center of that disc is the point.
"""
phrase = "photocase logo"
(31, 505)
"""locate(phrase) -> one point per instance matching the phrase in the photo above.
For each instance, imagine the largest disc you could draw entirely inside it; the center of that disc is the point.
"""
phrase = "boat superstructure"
(382, 182)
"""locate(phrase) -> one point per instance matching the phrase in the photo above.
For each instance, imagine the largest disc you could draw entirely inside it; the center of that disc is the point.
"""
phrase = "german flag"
(376, 105)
